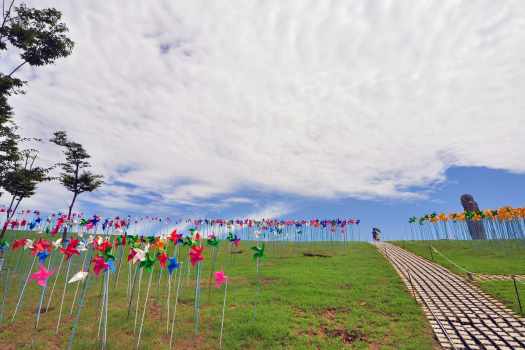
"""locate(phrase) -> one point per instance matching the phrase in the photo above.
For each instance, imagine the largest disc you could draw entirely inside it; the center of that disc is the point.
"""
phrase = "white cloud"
(271, 211)
(327, 98)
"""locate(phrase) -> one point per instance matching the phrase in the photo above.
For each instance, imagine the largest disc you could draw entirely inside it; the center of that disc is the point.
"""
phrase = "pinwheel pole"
(23, 289)
(145, 306)
(170, 275)
(197, 298)
(63, 294)
(175, 306)
(223, 311)
(78, 285)
(137, 304)
(259, 253)
(54, 283)
(39, 310)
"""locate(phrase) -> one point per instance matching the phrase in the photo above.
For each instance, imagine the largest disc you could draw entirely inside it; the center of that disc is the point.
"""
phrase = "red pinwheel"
(58, 224)
(131, 255)
(19, 243)
(196, 255)
(70, 250)
(74, 242)
(162, 258)
(99, 265)
(104, 246)
(175, 237)
(40, 246)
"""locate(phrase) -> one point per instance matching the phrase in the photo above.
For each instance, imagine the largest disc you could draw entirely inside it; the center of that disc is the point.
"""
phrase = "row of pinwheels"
(502, 223)
(246, 229)
(108, 256)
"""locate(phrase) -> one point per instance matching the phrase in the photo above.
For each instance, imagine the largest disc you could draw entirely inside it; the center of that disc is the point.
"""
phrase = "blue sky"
(491, 189)
(372, 109)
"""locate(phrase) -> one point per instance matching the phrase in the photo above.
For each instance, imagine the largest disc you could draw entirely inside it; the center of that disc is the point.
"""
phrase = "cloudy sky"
(373, 109)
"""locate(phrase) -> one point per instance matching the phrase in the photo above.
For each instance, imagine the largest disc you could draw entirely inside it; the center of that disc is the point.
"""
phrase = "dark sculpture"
(475, 228)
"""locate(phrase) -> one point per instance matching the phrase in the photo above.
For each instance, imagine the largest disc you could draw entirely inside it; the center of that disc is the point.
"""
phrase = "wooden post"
(517, 293)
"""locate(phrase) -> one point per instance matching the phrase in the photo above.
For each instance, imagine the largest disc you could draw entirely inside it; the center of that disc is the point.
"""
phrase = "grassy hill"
(336, 296)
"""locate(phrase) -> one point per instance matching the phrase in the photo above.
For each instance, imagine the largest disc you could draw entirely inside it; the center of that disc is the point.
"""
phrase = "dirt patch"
(346, 336)
(316, 255)
(268, 280)
(330, 313)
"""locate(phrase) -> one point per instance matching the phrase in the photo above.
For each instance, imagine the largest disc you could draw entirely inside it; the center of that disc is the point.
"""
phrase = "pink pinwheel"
(220, 279)
(41, 276)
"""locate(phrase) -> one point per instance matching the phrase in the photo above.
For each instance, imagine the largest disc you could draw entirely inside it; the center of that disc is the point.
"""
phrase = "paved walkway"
(461, 315)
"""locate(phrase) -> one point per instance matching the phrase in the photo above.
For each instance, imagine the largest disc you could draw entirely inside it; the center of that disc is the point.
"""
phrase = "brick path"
(461, 315)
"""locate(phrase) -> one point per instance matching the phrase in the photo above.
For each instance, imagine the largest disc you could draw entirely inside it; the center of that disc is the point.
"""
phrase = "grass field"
(485, 257)
(352, 298)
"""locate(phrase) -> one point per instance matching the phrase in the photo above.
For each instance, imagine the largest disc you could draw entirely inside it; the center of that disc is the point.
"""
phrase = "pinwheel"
(220, 279)
(19, 243)
(41, 278)
(79, 276)
(162, 257)
(41, 245)
(196, 255)
(138, 256)
(172, 264)
(69, 251)
(175, 237)
(99, 265)
(259, 251)
(148, 262)
(131, 255)
(42, 256)
(42, 275)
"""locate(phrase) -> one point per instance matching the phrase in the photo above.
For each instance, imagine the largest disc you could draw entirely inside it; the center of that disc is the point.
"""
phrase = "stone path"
(483, 277)
(461, 315)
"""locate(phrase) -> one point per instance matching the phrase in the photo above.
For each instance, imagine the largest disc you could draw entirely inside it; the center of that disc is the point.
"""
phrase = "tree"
(21, 181)
(74, 177)
(39, 37)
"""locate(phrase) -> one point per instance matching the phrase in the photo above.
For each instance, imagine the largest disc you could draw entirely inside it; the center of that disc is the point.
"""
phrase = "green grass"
(506, 293)
(485, 257)
(351, 299)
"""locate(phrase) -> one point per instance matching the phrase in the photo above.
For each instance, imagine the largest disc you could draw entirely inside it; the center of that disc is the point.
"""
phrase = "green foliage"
(38, 34)
(74, 177)
(39, 37)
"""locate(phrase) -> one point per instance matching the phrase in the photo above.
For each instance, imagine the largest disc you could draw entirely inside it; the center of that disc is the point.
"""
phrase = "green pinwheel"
(3, 245)
(259, 251)
(412, 220)
(148, 262)
(212, 241)
(83, 222)
(188, 241)
(107, 255)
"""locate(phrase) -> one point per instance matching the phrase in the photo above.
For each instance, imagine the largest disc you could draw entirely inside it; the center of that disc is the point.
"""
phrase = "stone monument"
(475, 228)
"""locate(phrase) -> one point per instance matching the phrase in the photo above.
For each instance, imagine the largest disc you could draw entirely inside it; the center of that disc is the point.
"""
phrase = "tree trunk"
(9, 216)
(64, 234)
